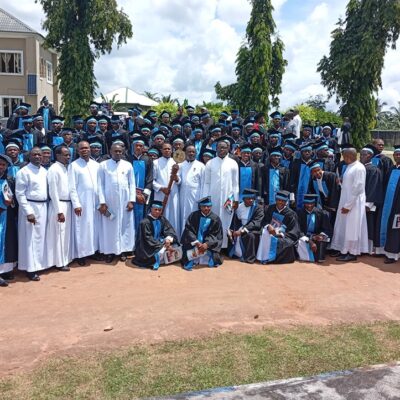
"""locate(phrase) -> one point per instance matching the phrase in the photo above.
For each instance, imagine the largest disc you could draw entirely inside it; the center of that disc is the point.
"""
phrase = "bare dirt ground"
(69, 312)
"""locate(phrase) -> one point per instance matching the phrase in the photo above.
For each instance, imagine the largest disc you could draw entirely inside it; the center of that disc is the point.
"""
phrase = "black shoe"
(65, 268)
(98, 257)
(335, 254)
(389, 260)
(8, 276)
(33, 276)
(3, 283)
(123, 257)
(81, 262)
(109, 258)
(346, 258)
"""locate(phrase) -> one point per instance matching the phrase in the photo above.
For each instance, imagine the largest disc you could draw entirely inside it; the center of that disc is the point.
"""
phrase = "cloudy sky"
(185, 47)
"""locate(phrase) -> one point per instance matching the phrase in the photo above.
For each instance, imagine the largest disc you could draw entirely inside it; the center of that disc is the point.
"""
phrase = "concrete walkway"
(381, 382)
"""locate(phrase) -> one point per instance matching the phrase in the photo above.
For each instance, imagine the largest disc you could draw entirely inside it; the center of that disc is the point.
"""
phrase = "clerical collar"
(33, 165)
(189, 161)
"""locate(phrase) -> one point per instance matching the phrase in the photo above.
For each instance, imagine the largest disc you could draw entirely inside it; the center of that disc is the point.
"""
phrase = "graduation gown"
(192, 180)
(273, 180)
(116, 185)
(8, 228)
(143, 170)
(311, 224)
(150, 240)
(349, 235)
(248, 220)
(48, 114)
(373, 193)
(221, 182)
(328, 191)
(389, 236)
(31, 193)
(384, 163)
(111, 136)
(162, 174)
(27, 139)
(96, 136)
(279, 249)
(82, 181)
(300, 179)
(54, 139)
(203, 229)
(248, 176)
(60, 239)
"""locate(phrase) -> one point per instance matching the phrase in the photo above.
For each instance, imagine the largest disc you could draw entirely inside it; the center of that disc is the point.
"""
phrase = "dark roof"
(8, 23)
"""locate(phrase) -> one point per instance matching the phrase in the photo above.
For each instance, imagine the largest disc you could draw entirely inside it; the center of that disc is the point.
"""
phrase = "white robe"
(192, 180)
(162, 174)
(82, 177)
(116, 183)
(350, 233)
(59, 243)
(221, 181)
(31, 184)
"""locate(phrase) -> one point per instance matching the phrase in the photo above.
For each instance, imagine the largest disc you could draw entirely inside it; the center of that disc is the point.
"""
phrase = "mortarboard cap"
(282, 195)
(66, 131)
(27, 119)
(44, 147)
(26, 106)
(276, 115)
(77, 119)
(276, 151)
(103, 119)
(13, 142)
(396, 148)
(306, 147)
(310, 198)
(205, 201)
(156, 204)
(249, 194)
(154, 150)
(227, 139)
(209, 152)
(57, 120)
(6, 159)
(370, 149)
(307, 127)
(291, 145)
(115, 119)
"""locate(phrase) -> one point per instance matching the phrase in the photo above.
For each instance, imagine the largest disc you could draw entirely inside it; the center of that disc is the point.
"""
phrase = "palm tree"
(168, 99)
(113, 102)
(152, 96)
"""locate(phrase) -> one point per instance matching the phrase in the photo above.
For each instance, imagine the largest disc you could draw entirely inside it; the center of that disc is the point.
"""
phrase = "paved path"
(381, 382)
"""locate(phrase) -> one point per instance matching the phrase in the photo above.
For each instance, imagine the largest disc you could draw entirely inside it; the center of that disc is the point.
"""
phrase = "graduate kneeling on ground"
(157, 242)
(316, 230)
(202, 237)
(281, 232)
(246, 228)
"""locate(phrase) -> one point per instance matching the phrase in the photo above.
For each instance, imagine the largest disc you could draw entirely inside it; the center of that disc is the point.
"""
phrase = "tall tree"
(81, 31)
(259, 64)
(356, 58)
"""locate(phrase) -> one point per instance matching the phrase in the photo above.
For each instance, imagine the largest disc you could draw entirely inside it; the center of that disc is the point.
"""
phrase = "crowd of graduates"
(185, 187)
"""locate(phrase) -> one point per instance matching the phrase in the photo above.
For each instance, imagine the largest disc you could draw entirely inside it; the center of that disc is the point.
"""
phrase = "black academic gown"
(212, 235)
(147, 245)
(251, 231)
(266, 185)
(374, 194)
(285, 250)
(384, 163)
(329, 198)
(300, 178)
(248, 176)
(389, 237)
(95, 136)
(111, 136)
(322, 225)
(8, 220)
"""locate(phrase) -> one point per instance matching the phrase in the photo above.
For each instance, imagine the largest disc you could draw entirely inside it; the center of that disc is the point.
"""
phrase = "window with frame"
(8, 104)
(42, 69)
(11, 62)
(49, 72)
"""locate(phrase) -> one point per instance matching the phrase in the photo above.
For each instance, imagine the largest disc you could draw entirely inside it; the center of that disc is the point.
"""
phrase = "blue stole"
(285, 163)
(274, 185)
(130, 125)
(139, 170)
(20, 124)
(304, 181)
(311, 218)
(46, 120)
(57, 140)
(3, 223)
(317, 192)
(245, 178)
(214, 146)
(27, 142)
(274, 240)
(376, 160)
(12, 170)
(157, 236)
(1, 144)
(388, 204)
(197, 146)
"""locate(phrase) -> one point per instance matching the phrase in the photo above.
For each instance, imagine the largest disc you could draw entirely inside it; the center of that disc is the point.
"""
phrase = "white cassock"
(221, 182)
(350, 234)
(161, 175)
(31, 193)
(60, 240)
(82, 177)
(116, 183)
(190, 190)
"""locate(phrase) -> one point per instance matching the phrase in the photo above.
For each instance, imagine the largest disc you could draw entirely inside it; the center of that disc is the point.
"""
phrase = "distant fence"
(389, 137)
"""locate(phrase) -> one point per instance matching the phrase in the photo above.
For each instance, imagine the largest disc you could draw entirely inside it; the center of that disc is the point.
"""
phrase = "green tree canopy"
(81, 31)
(353, 69)
(259, 64)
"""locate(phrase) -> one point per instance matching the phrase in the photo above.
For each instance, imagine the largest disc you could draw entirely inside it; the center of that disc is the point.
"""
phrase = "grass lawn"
(222, 360)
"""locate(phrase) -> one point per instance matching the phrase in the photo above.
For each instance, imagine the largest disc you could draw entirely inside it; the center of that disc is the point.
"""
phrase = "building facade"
(27, 69)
